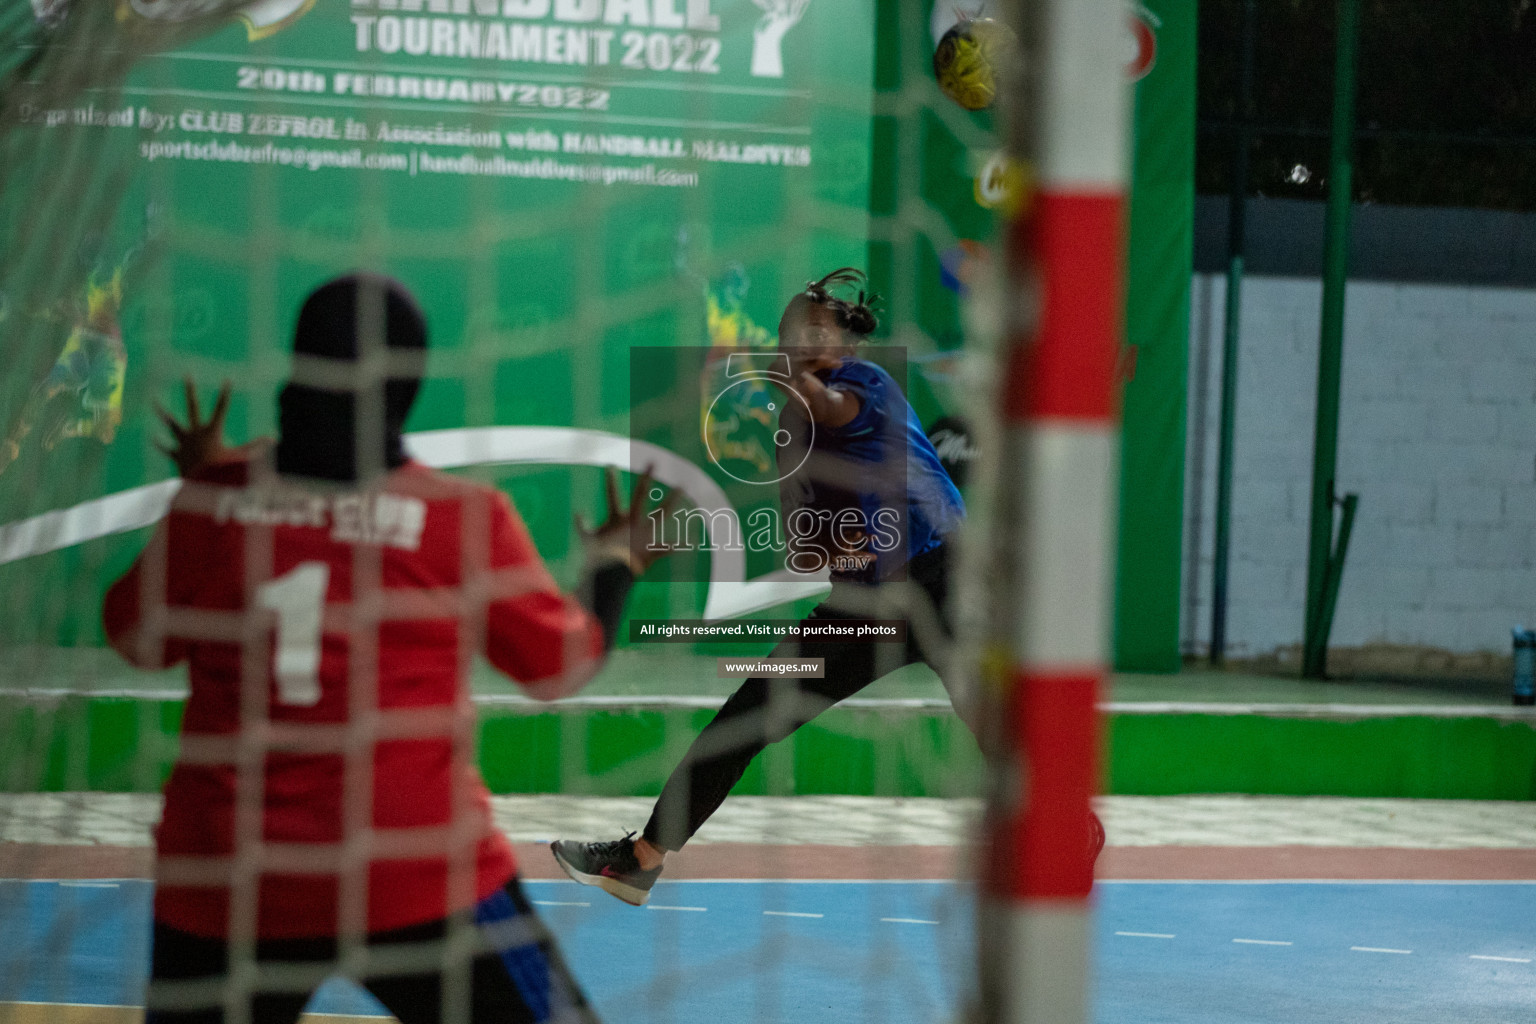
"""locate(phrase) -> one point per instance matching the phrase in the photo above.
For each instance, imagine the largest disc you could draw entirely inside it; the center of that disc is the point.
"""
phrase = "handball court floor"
(1209, 909)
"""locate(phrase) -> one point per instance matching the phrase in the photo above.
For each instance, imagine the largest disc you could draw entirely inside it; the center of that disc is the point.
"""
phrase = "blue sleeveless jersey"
(880, 460)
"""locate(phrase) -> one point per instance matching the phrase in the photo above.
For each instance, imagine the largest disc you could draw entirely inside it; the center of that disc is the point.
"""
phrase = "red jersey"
(327, 758)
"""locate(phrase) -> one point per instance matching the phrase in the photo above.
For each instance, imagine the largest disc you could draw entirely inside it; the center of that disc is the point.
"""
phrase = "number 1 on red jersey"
(298, 598)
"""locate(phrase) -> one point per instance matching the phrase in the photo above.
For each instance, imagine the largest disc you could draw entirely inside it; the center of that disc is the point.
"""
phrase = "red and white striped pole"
(1057, 497)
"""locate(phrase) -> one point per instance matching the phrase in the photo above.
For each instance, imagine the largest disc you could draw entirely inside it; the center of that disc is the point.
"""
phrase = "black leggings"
(767, 709)
(514, 975)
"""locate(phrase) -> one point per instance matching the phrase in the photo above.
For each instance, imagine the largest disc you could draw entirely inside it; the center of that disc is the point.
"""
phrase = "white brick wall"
(1437, 435)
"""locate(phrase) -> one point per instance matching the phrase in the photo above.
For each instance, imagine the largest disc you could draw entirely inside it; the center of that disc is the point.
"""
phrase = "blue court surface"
(896, 952)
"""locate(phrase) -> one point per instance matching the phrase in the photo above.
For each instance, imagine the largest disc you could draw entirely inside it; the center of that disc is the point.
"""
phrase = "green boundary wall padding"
(1157, 346)
(127, 745)
(1420, 757)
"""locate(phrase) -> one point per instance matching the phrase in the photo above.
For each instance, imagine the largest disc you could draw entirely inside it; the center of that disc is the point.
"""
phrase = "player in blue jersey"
(862, 493)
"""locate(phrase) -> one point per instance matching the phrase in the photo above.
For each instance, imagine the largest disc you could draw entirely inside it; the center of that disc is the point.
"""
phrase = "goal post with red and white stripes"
(573, 218)
(1057, 506)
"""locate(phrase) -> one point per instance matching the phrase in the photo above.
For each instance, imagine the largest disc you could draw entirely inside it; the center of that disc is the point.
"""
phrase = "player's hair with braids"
(856, 316)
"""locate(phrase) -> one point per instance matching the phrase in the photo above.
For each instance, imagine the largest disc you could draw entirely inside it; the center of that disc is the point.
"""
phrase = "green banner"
(557, 181)
(1155, 359)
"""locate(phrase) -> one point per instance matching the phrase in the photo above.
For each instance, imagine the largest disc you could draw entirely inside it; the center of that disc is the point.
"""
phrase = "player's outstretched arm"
(830, 407)
(123, 620)
(552, 642)
(133, 613)
(199, 444)
(619, 552)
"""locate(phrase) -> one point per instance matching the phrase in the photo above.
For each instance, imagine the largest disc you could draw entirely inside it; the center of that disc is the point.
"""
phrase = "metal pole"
(1330, 356)
(1056, 494)
(1237, 207)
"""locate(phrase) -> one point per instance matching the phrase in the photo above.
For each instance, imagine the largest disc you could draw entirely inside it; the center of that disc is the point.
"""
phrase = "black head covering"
(359, 354)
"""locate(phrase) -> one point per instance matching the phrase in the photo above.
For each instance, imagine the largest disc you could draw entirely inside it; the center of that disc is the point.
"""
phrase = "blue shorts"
(515, 973)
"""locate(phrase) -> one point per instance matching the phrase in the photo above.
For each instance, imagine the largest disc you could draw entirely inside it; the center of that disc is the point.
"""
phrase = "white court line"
(907, 920)
(871, 703)
(73, 884)
(559, 903)
(1096, 881)
(1317, 881)
(72, 881)
(1378, 949)
(125, 1006)
(92, 1009)
(1341, 712)
(623, 703)
(658, 906)
(89, 1006)
(788, 913)
(1263, 942)
(1147, 935)
(773, 881)
(1502, 959)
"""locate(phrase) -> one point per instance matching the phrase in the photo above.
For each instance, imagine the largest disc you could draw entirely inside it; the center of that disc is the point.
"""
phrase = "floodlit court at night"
(767, 512)
(1388, 911)
(1174, 952)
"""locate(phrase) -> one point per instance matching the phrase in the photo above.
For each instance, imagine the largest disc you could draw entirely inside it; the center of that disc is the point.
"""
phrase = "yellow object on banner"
(1003, 184)
(82, 396)
(967, 60)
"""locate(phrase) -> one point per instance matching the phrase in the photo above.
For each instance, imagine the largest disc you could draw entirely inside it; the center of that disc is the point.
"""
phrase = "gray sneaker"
(611, 866)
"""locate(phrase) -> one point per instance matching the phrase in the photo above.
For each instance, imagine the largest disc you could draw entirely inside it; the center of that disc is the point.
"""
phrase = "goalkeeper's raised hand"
(625, 535)
(200, 443)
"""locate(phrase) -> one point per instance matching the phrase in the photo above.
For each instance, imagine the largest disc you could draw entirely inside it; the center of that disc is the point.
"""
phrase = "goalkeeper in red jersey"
(328, 596)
